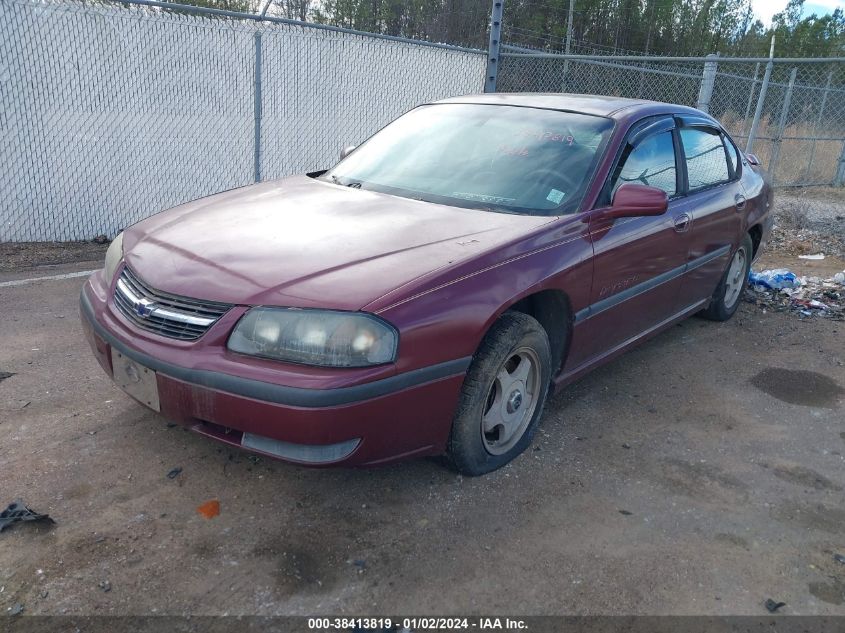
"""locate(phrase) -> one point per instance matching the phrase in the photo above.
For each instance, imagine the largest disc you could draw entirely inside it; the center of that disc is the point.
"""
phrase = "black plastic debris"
(174, 472)
(5, 374)
(839, 558)
(627, 513)
(772, 606)
(17, 512)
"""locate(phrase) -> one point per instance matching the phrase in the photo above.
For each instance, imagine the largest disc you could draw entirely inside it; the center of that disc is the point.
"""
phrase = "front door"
(638, 262)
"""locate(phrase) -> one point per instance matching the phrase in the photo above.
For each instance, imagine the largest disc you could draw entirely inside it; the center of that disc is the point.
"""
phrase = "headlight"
(113, 256)
(315, 337)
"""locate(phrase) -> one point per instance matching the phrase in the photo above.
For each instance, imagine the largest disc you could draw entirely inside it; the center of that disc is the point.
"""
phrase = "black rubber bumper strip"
(280, 394)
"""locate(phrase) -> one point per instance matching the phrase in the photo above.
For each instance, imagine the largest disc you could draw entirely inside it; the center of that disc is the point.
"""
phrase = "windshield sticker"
(481, 197)
(555, 196)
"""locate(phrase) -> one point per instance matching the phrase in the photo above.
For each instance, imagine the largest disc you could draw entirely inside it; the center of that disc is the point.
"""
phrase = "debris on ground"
(772, 606)
(18, 512)
(780, 290)
(209, 509)
(776, 279)
(105, 585)
(816, 257)
(839, 558)
(174, 472)
(5, 374)
(16, 609)
(101, 239)
(626, 513)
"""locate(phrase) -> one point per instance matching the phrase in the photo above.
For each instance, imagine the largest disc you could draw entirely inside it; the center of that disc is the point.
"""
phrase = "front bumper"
(365, 423)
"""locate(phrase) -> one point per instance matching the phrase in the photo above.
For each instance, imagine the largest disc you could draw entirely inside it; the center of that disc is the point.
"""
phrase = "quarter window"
(651, 162)
(707, 164)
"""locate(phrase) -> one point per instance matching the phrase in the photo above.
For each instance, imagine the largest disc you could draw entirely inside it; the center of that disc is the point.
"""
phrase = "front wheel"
(726, 298)
(503, 395)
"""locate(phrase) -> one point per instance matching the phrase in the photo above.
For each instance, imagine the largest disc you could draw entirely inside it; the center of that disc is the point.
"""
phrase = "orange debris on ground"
(209, 509)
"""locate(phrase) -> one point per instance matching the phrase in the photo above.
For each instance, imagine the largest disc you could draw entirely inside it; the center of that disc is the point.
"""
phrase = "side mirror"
(752, 158)
(633, 200)
(346, 151)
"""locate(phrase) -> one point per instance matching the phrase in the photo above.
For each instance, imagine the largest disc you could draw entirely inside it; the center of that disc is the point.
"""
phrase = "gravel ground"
(17, 256)
(701, 473)
(810, 221)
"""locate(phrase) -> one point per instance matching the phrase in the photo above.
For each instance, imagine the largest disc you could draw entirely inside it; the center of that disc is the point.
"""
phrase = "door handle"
(682, 222)
(740, 201)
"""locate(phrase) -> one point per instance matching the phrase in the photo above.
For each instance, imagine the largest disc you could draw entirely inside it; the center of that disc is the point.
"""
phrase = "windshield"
(501, 158)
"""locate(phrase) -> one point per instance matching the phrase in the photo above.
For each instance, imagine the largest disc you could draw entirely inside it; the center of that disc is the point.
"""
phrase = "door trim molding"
(629, 293)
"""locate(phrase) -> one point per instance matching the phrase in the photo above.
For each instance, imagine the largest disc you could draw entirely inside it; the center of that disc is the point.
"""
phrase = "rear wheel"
(503, 395)
(726, 298)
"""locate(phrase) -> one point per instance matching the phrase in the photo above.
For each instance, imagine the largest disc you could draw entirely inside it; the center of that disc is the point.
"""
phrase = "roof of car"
(614, 107)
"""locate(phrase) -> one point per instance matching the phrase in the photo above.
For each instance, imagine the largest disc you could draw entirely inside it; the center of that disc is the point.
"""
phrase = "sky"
(765, 9)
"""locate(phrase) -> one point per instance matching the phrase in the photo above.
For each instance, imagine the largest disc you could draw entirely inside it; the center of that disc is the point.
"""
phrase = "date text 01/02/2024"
(415, 624)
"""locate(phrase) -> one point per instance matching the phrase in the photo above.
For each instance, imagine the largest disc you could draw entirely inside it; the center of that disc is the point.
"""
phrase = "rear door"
(714, 201)
(638, 261)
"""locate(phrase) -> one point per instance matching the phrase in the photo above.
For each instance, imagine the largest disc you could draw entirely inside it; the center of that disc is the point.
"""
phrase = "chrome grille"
(163, 313)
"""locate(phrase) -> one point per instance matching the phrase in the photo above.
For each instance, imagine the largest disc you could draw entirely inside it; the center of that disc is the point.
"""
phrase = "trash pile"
(781, 290)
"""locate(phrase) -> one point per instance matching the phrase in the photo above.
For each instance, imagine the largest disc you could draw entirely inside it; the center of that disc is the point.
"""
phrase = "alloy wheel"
(511, 401)
(735, 281)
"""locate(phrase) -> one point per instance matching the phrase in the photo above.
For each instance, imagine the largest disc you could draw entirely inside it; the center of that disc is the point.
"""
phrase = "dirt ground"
(699, 474)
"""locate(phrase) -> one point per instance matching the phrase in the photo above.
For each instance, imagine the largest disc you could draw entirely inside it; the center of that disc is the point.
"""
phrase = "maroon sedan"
(425, 294)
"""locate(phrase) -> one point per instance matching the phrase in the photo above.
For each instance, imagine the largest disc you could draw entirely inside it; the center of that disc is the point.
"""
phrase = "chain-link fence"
(795, 111)
(113, 112)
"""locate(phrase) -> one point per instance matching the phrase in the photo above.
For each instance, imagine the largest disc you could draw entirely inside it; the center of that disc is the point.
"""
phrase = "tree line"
(658, 27)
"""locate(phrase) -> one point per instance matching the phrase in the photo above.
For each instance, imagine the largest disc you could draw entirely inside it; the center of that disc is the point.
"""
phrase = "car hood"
(308, 243)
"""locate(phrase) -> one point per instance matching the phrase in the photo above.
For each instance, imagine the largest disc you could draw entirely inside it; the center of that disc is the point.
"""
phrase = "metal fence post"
(758, 111)
(708, 81)
(493, 46)
(784, 113)
(839, 180)
(568, 48)
(257, 110)
(750, 98)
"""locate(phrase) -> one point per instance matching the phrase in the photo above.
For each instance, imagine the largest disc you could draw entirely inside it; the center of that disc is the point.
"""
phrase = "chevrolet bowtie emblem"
(143, 307)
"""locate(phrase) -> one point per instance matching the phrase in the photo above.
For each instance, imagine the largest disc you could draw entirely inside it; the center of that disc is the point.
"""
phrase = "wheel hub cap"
(514, 401)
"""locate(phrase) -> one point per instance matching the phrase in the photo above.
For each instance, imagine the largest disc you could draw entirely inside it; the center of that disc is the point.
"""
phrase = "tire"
(502, 396)
(728, 294)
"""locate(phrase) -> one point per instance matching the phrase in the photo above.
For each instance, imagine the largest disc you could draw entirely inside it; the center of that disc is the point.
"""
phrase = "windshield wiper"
(355, 184)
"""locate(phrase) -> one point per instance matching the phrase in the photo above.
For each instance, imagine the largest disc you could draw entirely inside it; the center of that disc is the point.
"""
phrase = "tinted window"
(499, 158)
(705, 156)
(652, 163)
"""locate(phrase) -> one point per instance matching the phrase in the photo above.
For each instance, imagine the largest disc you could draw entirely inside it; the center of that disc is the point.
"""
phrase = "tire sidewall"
(511, 332)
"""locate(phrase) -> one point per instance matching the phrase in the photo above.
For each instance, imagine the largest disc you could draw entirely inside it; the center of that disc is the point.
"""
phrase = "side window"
(651, 162)
(704, 153)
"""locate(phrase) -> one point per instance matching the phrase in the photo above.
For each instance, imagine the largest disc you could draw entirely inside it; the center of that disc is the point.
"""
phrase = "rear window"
(707, 164)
